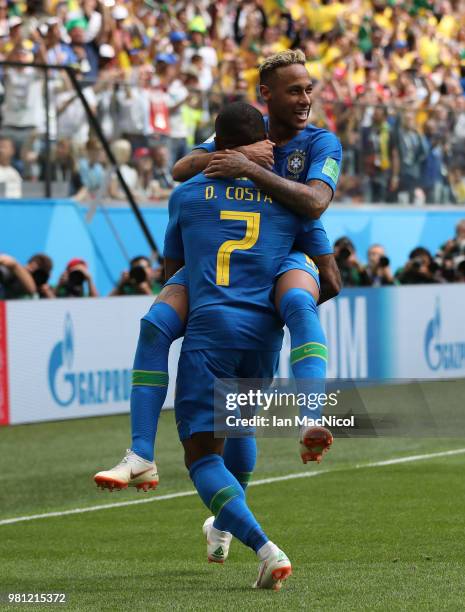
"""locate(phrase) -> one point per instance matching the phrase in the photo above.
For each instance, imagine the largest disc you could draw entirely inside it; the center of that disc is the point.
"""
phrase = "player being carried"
(306, 168)
(235, 242)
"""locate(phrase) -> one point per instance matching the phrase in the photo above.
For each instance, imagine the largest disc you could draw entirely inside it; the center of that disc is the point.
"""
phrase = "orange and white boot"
(274, 568)
(131, 471)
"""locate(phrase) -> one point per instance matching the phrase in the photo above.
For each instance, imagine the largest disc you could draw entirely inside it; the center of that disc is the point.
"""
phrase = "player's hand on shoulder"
(260, 153)
(227, 164)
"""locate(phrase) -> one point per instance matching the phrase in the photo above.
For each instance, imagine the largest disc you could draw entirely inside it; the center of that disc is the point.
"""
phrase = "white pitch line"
(255, 483)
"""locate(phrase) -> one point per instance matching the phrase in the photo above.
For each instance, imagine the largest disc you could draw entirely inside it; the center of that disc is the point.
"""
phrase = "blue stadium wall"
(62, 229)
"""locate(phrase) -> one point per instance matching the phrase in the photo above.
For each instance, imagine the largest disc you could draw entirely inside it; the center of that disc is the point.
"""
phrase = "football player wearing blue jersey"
(235, 241)
(299, 156)
(306, 169)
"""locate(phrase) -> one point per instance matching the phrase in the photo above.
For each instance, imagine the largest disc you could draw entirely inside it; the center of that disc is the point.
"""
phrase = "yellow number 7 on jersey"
(224, 252)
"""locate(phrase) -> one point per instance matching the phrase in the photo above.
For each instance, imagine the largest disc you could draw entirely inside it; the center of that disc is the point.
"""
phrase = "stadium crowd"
(31, 280)
(389, 79)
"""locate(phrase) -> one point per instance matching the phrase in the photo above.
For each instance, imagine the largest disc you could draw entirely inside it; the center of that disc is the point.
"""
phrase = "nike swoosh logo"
(265, 565)
(138, 473)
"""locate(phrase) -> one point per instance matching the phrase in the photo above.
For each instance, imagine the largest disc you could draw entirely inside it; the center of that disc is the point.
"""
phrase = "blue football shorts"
(195, 384)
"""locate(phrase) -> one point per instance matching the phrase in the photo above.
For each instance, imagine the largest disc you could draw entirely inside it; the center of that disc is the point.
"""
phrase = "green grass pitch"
(368, 538)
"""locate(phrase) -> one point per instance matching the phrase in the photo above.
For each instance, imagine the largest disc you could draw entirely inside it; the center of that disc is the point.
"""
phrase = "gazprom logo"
(68, 385)
(442, 355)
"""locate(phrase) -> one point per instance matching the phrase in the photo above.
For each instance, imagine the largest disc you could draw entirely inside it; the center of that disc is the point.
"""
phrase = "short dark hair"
(418, 252)
(43, 261)
(138, 258)
(344, 241)
(239, 124)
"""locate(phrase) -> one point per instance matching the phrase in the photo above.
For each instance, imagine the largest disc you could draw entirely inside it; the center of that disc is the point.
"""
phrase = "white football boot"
(132, 471)
(273, 570)
(218, 542)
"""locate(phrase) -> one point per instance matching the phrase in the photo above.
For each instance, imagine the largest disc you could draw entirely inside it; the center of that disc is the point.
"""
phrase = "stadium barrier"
(62, 229)
(69, 358)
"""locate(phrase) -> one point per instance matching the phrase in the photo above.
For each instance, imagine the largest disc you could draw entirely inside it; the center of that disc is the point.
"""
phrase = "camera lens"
(138, 274)
(383, 261)
(40, 277)
(76, 278)
(344, 253)
(5, 274)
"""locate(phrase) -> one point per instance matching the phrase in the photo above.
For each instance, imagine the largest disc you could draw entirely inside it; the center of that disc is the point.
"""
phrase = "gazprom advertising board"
(63, 359)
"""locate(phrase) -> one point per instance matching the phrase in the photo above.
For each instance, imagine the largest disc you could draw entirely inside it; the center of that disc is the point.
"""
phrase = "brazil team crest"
(296, 162)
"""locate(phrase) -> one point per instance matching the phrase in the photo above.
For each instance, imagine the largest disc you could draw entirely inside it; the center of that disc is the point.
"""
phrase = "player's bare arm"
(260, 152)
(309, 200)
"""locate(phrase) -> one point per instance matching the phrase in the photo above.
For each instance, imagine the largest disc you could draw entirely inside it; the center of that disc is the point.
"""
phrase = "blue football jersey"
(315, 153)
(233, 239)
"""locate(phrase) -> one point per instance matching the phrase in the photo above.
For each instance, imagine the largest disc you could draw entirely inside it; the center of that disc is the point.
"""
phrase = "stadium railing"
(37, 157)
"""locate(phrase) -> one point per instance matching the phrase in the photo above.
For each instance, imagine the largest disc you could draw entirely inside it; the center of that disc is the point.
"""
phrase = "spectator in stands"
(15, 280)
(147, 188)
(432, 180)
(10, 179)
(360, 55)
(57, 52)
(457, 183)
(40, 267)
(419, 269)
(378, 269)
(376, 147)
(200, 46)
(62, 162)
(353, 274)
(178, 40)
(161, 171)
(409, 155)
(76, 281)
(104, 89)
(133, 106)
(121, 150)
(177, 94)
(72, 120)
(23, 111)
(140, 279)
(94, 19)
(83, 55)
(90, 180)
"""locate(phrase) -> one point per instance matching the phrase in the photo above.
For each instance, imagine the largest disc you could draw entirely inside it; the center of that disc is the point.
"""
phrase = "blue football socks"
(158, 330)
(309, 353)
(223, 495)
(240, 456)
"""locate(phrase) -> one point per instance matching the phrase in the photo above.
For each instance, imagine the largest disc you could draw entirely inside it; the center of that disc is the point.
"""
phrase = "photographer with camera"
(451, 256)
(40, 267)
(353, 274)
(140, 279)
(455, 247)
(419, 269)
(377, 269)
(16, 281)
(76, 281)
